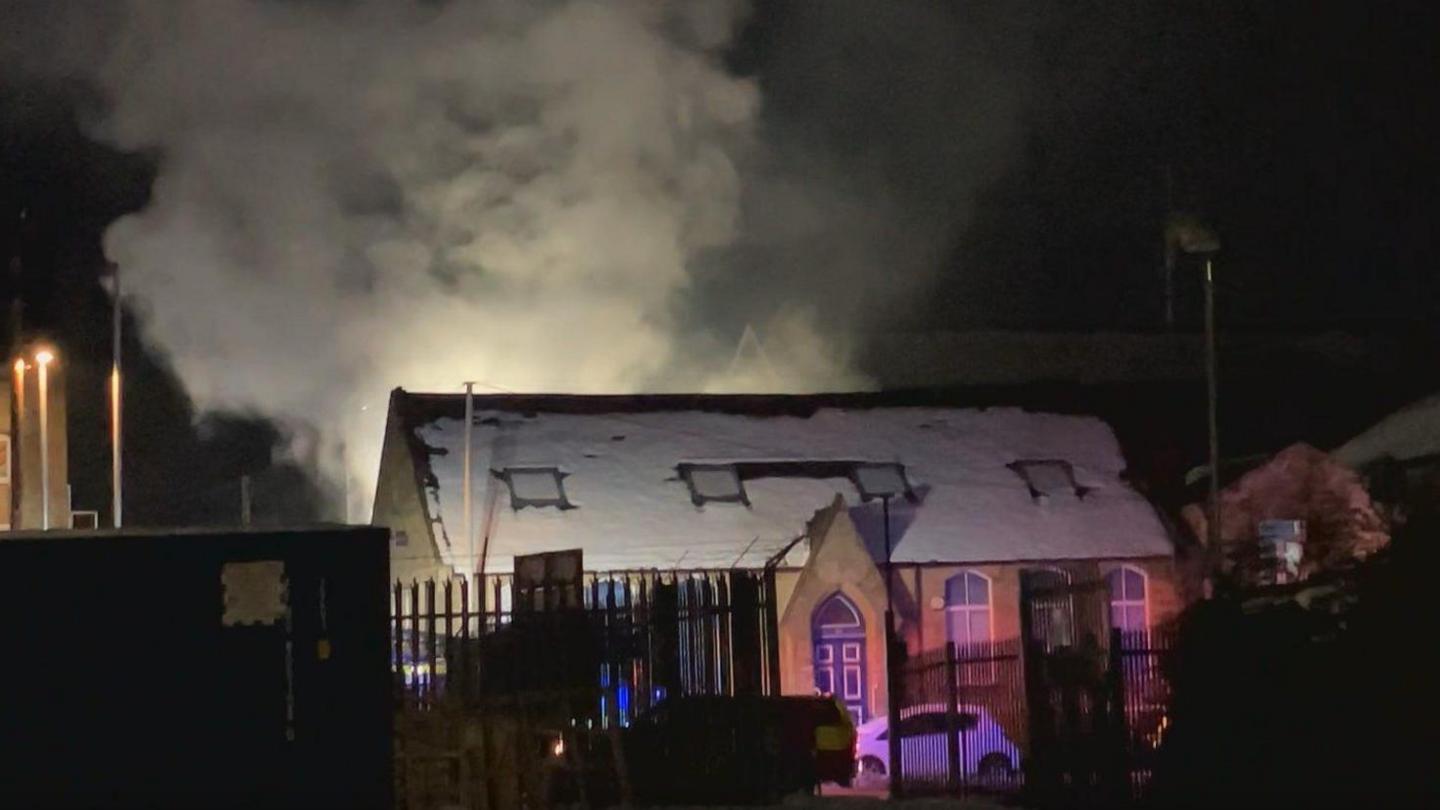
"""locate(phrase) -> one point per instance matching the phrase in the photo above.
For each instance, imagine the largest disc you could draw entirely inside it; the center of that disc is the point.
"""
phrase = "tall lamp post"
(43, 359)
(1197, 240)
(886, 481)
(15, 509)
(117, 499)
(1212, 398)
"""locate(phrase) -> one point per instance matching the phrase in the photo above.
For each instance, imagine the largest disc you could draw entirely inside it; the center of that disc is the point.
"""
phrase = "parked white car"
(987, 755)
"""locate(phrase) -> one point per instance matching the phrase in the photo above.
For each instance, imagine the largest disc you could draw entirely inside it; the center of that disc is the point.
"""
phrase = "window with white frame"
(1129, 605)
(967, 609)
(969, 626)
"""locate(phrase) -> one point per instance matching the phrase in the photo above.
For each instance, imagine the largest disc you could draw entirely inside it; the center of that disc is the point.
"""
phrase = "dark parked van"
(738, 749)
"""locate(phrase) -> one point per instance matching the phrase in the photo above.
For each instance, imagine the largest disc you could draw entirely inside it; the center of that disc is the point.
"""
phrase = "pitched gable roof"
(1411, 432)
(621, 456)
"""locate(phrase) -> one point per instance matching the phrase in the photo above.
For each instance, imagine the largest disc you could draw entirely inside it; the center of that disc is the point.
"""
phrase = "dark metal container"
(195, 668)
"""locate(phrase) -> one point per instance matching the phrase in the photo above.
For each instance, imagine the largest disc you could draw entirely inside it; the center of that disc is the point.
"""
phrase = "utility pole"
(469, 496)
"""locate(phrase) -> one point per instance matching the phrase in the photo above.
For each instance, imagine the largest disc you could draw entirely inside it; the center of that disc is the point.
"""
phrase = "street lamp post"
(15, 510)
(117, 499)
(1197, 240)
(885, 481)
(892, 660)
(43, 359)
(1212, 405)
(889, 567)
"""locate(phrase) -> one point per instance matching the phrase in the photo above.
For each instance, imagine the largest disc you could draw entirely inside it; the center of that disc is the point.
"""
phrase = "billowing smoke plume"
(529, 194)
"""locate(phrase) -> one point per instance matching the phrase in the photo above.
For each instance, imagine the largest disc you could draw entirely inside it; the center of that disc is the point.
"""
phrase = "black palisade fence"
(625, 638)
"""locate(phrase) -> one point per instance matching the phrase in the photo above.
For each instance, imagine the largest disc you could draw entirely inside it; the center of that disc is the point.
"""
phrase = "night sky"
(1305, 132)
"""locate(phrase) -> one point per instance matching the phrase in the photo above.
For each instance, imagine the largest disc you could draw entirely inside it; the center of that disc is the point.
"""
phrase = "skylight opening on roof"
(880, 480)
(535, 486)
(718, 483)
(1048, 478)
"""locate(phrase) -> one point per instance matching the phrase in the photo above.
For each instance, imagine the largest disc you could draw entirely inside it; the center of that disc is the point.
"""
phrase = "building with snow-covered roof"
(976, 499)
(1399, 459)
(1413, 432)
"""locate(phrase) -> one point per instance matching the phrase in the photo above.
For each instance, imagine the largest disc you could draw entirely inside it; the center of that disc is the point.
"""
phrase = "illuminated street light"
(43, 359)
(117, 499)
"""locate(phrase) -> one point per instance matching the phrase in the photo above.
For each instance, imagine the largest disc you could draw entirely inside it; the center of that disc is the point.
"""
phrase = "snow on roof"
(633, 509)
(1410, 432)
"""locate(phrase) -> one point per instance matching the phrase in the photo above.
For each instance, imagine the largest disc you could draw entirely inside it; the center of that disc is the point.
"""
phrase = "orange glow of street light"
(44, 357)
(20, 365)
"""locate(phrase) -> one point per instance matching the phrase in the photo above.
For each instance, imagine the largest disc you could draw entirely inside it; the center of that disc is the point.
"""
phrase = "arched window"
(967, 609)
(1129, 605)
(968, 625)
(838, 616)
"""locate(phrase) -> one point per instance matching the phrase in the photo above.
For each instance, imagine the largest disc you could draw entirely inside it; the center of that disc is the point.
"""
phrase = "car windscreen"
(917, 725)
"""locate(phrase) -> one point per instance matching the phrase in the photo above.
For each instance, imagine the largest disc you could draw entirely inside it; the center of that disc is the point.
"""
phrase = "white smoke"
(355, 197)
(535, 195)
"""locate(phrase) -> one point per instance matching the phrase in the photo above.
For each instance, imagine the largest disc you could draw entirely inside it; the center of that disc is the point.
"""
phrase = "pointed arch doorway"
(838, 632)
